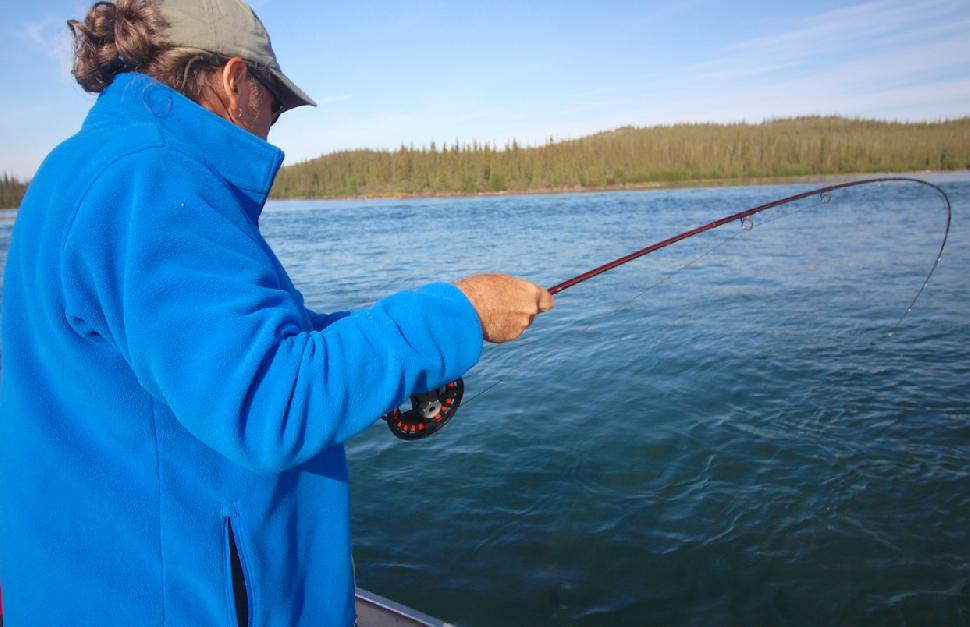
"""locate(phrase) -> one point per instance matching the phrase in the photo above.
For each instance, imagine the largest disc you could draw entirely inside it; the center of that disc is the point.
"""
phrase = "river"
(737, 430)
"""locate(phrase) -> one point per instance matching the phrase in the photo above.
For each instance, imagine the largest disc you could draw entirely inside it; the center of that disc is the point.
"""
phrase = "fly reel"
(428, 414)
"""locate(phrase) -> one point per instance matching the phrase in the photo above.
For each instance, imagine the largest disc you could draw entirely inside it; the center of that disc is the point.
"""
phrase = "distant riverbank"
(9, 214)
(638, 158)
(659, 185)
(575, 189)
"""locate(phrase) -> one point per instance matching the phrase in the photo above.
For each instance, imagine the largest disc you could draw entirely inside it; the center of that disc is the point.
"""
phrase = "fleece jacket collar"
(245, 161)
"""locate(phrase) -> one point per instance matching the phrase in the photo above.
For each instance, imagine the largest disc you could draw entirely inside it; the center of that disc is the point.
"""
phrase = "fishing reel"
(428, 414)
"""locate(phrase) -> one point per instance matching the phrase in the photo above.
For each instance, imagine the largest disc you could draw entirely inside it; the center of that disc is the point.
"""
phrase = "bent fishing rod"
(431, 411)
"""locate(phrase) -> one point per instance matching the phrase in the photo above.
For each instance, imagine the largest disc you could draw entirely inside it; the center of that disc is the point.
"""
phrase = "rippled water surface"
(724, 432)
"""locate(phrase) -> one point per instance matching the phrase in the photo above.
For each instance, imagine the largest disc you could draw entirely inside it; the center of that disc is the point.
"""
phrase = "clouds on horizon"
(888, 59)
(883, 58)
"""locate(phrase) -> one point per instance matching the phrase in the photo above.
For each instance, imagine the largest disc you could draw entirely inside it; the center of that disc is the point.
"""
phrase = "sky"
(387, 73)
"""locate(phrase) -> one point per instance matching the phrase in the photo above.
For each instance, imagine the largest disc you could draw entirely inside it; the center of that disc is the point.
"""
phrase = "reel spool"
(428, 414)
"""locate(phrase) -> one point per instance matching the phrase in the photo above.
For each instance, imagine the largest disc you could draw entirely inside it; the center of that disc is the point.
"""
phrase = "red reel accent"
(428, 414)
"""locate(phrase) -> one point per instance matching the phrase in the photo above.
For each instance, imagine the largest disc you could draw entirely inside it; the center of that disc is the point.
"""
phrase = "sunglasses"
(216, 60)
(277, 107)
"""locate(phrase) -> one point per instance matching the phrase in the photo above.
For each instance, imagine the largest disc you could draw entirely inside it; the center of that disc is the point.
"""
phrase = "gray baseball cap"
(230, 28)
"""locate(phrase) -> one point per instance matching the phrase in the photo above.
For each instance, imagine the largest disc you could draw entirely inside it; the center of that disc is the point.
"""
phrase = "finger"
(506, 335)
(546, 301)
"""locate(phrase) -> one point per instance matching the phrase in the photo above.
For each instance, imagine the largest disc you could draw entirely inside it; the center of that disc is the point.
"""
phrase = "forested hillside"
(11, 191)
(639, 156)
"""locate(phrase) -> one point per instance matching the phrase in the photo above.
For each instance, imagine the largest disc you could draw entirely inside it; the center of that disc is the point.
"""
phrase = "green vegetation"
(631, 156)
(11, 191)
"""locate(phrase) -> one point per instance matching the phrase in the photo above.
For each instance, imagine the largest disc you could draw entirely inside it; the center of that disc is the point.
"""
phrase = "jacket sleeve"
(321, 321)
(191, 296)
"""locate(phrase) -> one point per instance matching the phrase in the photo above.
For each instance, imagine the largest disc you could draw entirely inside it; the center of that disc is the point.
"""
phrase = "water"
(723, 432)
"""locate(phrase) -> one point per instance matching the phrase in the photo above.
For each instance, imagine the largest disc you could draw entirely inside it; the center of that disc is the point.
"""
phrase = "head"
(225, 64)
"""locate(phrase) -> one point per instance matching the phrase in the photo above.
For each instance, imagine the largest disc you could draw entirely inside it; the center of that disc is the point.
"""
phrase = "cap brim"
(293, 96)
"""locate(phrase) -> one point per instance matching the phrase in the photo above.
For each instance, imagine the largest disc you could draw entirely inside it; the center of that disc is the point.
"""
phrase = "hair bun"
(115, 37)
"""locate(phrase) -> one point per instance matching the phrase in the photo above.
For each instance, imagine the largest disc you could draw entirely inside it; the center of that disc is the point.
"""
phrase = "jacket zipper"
(238, 588)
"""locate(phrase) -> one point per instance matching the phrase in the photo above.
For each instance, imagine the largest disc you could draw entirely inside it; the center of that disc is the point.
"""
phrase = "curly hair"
(122, 36)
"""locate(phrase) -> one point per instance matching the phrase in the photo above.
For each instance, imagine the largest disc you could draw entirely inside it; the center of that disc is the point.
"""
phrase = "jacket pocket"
(238, 590)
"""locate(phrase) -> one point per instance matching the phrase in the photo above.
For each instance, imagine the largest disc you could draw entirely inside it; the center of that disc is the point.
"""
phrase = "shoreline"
(633, 187)
(620, 187)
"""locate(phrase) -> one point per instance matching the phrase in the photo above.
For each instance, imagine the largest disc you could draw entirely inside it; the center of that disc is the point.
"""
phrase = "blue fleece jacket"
(163, 383)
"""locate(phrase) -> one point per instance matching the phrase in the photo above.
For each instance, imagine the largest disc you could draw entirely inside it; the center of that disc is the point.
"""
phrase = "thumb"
(546, 301)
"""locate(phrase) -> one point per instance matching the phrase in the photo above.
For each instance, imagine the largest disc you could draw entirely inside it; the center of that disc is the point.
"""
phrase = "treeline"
(639, 156)
(11, 191)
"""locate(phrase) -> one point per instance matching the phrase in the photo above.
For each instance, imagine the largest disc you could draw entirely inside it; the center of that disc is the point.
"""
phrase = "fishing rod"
(433, 410)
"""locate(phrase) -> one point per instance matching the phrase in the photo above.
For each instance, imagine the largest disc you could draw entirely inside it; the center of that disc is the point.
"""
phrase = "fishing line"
(747, 225)
(431, 411)
(620, 309)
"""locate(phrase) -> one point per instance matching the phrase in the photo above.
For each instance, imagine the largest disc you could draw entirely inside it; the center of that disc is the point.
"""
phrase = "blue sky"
(387, 73)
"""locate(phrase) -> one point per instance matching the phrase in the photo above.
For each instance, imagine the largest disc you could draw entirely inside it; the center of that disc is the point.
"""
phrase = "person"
(172, 415)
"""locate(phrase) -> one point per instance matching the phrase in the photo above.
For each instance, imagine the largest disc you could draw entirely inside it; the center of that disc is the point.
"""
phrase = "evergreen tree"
(630, 156)
(12, 191)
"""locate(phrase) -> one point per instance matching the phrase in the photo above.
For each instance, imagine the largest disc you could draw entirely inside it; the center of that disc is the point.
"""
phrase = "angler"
(172, 417)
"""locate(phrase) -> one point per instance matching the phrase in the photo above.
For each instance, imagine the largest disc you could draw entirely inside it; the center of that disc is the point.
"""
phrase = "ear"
(235, 85)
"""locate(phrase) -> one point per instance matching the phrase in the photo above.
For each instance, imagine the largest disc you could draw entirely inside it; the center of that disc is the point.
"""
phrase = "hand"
(506, 305)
